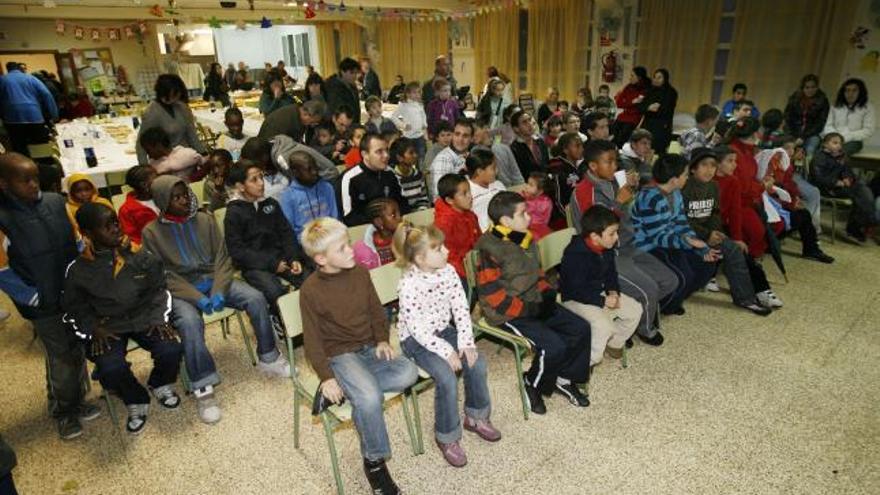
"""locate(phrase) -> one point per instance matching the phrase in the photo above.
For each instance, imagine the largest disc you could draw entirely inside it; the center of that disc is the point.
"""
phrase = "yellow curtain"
(429, 40)
(682, 36)
(394, 43)
(496, 42)
(557, 46)
(326, 50)
(351, 40)
(771, 58)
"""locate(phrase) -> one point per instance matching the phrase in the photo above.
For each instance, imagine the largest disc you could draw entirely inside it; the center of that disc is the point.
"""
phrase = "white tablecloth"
(112, 155)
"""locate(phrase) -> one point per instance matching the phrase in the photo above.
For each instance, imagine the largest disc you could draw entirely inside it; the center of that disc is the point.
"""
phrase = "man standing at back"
(26, 103)
(371, 80)
(442, 70)
(341, 89)
(294, 121)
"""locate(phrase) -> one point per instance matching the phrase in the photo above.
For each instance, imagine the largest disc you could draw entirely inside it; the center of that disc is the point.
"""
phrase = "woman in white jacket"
(852, 116)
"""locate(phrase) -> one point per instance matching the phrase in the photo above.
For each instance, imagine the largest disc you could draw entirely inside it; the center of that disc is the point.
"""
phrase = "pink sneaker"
(483, 428)
(453, 453)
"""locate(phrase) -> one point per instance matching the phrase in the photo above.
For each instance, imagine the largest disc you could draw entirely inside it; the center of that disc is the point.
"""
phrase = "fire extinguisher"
(609, 67)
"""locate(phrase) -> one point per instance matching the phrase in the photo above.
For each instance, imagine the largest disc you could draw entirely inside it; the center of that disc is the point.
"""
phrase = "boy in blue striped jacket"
(662, 229)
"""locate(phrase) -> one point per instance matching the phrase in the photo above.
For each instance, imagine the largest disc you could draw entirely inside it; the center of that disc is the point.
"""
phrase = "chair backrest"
(552, 246)
(341, 169)
(220, 217)
(117, 200)
(421, 217)
(470, 271)
(44, 150)
(115, 178)
(385, 280)
(356, 233)
(198, 188)
(291, 317)
(569, 216)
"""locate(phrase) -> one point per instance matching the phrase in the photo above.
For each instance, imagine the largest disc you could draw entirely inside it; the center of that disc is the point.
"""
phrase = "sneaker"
(69, 427)
(483, 428)
(673, 312)
(613, 353)
(453, 453)
(379, 478)
(712, 286)
(656, 340)
(536, 401)
(768, 299)
(573, 394)
(819, 256)
(209, 408)
(89, 411)
(167, 397)
(758, 309)
(137, 418)
(279, 368)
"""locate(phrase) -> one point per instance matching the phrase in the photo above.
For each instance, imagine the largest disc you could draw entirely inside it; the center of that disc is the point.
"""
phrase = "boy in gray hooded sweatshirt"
(199, 273)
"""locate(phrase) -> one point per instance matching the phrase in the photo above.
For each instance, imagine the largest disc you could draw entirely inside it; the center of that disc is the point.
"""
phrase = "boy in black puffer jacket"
(111, 295)
(258, 238)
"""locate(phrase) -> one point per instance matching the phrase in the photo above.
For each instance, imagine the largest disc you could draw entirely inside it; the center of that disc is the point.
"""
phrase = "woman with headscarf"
(627, 101)
(216, 88)
(658, 108)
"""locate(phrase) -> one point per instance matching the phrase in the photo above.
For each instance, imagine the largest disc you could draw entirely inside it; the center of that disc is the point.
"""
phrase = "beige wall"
(32, 34)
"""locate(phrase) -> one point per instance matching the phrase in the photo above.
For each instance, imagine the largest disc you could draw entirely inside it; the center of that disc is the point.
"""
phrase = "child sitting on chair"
(138, 210)
(429, 293)
(308, 196)
(375, 249)
(201, 279)
(112, 295)
(180, 161)
(481, 171)
(81, 191)
(346, 342)
(405, 160)
(453, 216)
(218, 164)
(259, 150)
(590, 288)
(515, 296)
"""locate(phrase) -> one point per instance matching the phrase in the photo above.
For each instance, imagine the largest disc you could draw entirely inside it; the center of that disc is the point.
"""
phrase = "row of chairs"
(385, 280)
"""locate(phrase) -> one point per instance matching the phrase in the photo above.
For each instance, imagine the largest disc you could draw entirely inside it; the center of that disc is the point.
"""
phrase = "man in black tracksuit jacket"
(368, 181)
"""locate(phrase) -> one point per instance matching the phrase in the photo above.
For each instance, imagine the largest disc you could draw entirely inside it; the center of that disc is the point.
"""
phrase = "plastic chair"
(521, 346)
(551, 247)
(420, 217)
(306, 386)
(198, 188)
(118, 200)
(830, 200)
(356, 233)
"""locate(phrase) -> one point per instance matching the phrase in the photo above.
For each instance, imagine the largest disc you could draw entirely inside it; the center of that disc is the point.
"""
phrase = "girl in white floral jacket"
(431, 295)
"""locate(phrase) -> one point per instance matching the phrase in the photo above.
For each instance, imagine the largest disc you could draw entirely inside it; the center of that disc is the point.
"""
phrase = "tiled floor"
(731, 404)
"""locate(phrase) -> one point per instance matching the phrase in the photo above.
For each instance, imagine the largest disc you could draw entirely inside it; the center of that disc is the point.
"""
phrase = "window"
(296, 50)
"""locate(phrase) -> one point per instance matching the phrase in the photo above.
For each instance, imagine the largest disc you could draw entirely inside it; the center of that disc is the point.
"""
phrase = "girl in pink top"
(538, 204)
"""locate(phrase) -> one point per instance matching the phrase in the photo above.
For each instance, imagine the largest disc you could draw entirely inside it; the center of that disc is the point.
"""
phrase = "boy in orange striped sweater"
(515, 296)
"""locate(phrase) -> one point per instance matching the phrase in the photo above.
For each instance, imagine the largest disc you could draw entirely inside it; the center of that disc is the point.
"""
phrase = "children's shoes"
(453, 453)
(483, 428)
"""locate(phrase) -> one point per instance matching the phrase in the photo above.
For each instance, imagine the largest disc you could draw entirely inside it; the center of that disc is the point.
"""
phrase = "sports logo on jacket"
(268, 209)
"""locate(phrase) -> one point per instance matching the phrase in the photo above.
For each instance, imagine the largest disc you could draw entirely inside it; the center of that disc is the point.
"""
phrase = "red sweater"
(731, 205)
(630, 112)
(133, 217)
(785, 180)
(746, 171)
(461, 228)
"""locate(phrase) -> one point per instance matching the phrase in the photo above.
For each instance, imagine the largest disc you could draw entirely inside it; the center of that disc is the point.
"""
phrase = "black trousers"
(21, 135)
(115, 375)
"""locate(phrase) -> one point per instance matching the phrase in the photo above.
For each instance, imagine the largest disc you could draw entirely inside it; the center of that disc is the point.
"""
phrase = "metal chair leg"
(833, 220)
(624, 361)
(331, 446)
(413, 441)
(517, 355)
(246, 338)
(417, 416)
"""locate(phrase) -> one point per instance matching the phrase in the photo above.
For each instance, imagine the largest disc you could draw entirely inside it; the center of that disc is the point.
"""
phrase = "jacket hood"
(442, 209)
(161, 189)
(73, 179)
(628, 151)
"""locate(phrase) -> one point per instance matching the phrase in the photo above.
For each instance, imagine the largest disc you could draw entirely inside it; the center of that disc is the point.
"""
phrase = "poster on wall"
(95, 70)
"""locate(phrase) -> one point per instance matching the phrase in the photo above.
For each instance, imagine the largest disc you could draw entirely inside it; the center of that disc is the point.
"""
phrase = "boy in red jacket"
(453, 215)
(139, 210)
(741, 221)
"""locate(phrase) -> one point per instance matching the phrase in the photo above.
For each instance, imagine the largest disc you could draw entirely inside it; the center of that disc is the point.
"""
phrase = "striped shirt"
(413, 188)
(659, 221)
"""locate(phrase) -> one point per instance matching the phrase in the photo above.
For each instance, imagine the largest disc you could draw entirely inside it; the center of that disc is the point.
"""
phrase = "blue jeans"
(811, 144)
(187, 319)
(364, 379)
(447, 422)
(811, 197)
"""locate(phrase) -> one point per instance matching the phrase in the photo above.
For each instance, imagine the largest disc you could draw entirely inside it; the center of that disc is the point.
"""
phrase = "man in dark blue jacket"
(40, 244)
(26, 106)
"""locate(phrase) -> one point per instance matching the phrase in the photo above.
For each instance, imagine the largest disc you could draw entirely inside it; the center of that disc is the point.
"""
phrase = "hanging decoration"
(59, 28)
(96, 34)
(113, 34)
(310, 13)
(214, 23)
(79, 32)
(129, 32)
(241, 25)
(142, 27)
(265, 23)
(157, 11)
(251, 5)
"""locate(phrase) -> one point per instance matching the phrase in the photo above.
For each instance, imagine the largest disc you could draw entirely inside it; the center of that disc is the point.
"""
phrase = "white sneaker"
(209, 408)
(769, 300)
(279, 368)
(712, 286)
